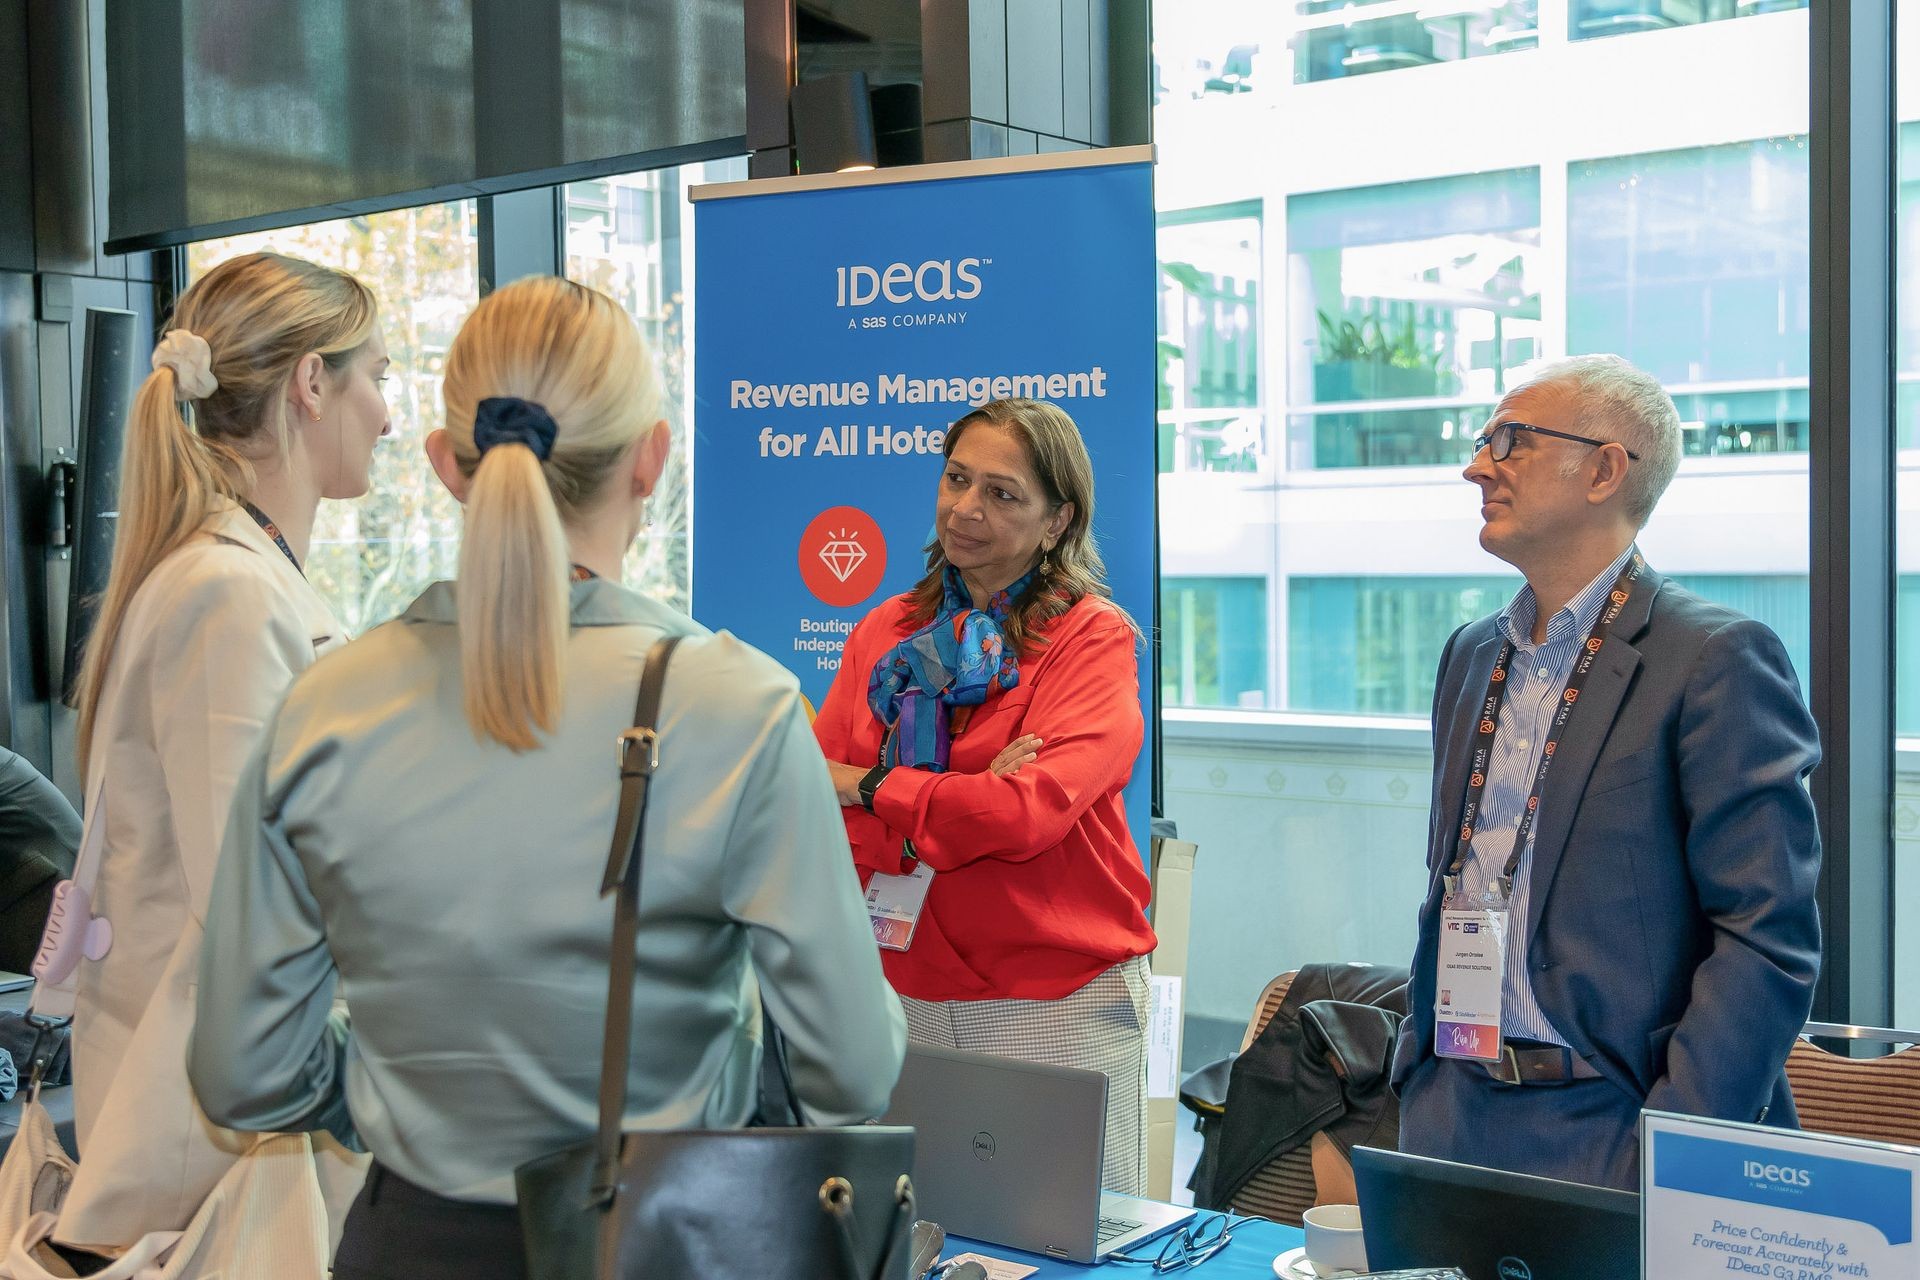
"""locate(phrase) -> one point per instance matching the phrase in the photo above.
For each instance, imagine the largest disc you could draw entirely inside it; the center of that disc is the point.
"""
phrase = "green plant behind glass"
(1368, 341)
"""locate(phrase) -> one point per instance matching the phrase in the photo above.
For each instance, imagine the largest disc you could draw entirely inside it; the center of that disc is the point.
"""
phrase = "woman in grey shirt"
(425, 823)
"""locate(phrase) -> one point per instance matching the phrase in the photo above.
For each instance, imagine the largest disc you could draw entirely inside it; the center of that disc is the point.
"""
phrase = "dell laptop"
(1419, 1212)
(1009, 1152)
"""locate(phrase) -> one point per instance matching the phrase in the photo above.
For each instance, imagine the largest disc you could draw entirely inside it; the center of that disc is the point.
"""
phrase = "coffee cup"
(1334, 1243)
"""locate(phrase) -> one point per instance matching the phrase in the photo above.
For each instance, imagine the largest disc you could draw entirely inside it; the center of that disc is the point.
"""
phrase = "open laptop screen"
(1493, 1225)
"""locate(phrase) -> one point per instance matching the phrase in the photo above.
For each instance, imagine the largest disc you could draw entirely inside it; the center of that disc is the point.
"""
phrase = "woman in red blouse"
(979, 731)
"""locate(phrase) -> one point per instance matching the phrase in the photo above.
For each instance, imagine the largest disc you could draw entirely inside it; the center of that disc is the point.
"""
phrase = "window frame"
(1854, 190)
(1253, 208)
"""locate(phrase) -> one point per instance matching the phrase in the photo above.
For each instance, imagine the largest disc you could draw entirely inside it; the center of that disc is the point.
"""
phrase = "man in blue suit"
(1618, 786)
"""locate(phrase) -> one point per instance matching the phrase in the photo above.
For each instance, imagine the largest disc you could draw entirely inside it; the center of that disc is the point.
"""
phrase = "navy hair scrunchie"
(511, 420)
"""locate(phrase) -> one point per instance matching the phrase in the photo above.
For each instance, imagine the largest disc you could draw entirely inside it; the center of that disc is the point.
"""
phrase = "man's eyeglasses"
(1499, 442)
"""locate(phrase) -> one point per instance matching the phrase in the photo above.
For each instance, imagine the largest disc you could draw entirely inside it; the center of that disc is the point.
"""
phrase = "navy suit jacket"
(1674, 938)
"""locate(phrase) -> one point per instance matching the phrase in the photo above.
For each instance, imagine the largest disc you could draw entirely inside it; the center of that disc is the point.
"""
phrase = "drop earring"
(1046, 562)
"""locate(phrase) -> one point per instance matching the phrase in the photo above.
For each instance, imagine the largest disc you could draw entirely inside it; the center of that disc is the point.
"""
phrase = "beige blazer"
(209, 645)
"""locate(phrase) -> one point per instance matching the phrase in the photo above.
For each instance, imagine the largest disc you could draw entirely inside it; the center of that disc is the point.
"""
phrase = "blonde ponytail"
(576, 360)
(513, 636)
(259, 314)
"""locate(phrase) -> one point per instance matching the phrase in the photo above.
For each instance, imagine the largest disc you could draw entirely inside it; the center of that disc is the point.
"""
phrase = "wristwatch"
(871, 783)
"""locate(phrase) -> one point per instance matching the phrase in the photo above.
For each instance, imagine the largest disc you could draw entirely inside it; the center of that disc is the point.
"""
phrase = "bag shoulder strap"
(55, 998)
(639, 749)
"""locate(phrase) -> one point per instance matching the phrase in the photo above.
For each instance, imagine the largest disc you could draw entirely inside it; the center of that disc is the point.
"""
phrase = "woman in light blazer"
(264, 398)
(426, 821)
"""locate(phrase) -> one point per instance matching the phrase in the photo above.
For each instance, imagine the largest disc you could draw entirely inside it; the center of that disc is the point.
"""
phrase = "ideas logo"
(1785, 1175)
(842, 556)
(935, 280)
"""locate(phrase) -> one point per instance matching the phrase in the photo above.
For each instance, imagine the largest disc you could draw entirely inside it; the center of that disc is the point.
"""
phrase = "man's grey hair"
(1618, 402)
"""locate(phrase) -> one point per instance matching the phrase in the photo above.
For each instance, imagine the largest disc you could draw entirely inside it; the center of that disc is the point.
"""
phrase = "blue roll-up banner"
(842, 324)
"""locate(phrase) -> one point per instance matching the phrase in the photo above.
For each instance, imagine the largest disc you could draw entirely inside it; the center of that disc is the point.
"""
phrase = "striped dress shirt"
(1535, 679)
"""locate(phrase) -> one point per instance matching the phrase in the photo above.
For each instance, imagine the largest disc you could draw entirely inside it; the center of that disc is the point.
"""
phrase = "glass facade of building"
(1398, 207)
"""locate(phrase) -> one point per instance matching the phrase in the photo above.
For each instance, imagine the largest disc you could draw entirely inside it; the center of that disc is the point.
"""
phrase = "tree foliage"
(370, 557)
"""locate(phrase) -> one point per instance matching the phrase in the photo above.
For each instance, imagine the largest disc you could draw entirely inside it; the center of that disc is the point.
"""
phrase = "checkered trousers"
(1101, 1027)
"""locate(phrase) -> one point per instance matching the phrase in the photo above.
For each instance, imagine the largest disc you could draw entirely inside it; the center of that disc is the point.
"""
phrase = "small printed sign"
(1726, 1200)
(1163, 1039)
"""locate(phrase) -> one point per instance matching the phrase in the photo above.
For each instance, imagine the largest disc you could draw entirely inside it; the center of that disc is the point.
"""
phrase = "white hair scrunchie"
(191, 359)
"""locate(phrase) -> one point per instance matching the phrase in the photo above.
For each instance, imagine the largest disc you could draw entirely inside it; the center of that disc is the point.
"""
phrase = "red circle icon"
(842, 556)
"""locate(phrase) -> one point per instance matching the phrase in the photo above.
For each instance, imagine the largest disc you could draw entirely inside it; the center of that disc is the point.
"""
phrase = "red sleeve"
(846, 697)
(1086, 710)
(848, 733)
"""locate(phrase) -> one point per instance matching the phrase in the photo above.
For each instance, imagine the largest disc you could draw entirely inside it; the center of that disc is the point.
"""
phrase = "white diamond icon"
(842, 555)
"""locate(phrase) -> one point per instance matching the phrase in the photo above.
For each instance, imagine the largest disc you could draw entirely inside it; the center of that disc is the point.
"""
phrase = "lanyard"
(909, 860)
(1490, 722)
(272, 530)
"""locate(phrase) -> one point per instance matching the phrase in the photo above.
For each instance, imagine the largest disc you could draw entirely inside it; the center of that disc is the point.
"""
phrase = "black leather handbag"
(771, 1204)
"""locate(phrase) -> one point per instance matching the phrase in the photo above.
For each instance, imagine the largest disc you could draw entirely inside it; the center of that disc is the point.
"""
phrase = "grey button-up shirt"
(448, 888)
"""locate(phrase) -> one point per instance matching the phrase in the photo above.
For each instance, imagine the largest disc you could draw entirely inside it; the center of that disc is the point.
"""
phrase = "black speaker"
(896, 124)
(106, 397)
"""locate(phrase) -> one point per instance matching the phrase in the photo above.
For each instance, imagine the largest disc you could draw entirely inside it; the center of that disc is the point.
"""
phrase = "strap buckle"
(45, 1045)
(649, 741)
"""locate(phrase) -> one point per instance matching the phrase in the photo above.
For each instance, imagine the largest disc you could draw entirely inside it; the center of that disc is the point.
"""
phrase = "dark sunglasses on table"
(1499, 442)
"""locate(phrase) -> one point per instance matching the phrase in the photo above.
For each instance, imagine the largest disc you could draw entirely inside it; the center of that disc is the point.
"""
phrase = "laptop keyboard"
(1113, 1228)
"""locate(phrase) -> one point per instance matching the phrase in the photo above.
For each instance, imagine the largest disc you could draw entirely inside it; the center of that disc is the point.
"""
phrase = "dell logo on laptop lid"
(983, 1146)
(1515, 1269)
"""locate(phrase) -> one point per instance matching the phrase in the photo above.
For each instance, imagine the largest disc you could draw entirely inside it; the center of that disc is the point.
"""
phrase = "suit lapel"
(1579, 750)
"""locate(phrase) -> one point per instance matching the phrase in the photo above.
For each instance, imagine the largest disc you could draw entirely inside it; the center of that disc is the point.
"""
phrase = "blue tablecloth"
(1250, 1254)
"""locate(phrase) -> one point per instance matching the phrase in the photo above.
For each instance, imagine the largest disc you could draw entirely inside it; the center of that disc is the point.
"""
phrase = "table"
(1248, 1257)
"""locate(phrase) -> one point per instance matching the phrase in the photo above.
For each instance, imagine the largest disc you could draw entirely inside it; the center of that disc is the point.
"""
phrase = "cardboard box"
(1171, 864)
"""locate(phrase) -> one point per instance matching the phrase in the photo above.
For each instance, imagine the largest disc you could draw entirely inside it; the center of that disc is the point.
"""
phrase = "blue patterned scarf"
(954, 661)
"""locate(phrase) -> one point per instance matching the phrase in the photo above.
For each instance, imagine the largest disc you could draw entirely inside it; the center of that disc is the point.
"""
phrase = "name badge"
(894, 903)
(1466, 1006)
